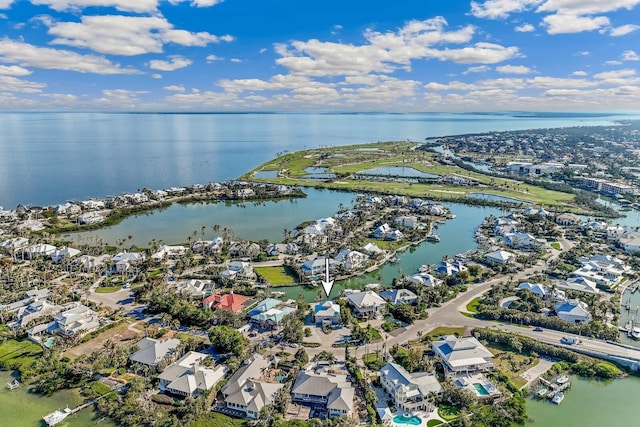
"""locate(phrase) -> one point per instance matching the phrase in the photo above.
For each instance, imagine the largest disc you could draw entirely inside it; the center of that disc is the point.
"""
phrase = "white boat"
(563, 379)
(542, 392)
(635, 332)
(433, 238)
(558, 397)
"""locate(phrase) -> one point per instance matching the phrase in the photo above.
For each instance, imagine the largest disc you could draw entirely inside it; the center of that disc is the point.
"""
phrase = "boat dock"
(551, 388)
(56, 417)
(13, 384)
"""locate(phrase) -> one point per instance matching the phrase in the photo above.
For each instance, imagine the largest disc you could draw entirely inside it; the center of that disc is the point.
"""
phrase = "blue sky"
(303, 55)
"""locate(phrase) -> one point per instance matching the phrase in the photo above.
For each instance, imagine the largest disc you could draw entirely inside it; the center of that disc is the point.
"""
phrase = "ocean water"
(48, 158)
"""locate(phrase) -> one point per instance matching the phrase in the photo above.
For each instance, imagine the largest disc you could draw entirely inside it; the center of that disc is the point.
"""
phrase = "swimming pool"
(406, 419)
(480, 389)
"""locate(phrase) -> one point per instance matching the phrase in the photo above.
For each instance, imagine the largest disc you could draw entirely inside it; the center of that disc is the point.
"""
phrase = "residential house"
(499, 257)
(125, 262)
(152, 351)
(245, 393)
(39, 250)
(326, 313)
(407, 221)
(351, 260)
(187, 377)
(424, 279)
(366, 304)
(238, 270)
(320, 226)
(630, 244)
(33, 311)
(270, 312)
(463, 355)
(64, 253)
(381, 231)
(579, 284)
(329, 391)
(168, 252)
(409, 391)
(522, 240)
(535, 288)
(567, 219)
(194, 287)
(399, 296)
(91, 217)
(230, 302)
(372, 249)
(573, 311)
(244, 250)
(447, 268)
(208, 246)
(317, 267)
(77, 319)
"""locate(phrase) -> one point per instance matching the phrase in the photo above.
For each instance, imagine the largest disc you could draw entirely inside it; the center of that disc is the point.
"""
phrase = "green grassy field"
(107, 289)
(15, 354)
(277, 276)
(345, 161)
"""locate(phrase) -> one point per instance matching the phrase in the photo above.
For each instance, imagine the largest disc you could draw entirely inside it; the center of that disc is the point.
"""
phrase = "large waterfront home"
(187, 377)
(324, 391)
(499, 257)
(245, 393)
(366, 304)
(326, 313)
(230, 302)
(409, 391)
(399, 296)
(463, 355)
(152, 351)
(270, 312)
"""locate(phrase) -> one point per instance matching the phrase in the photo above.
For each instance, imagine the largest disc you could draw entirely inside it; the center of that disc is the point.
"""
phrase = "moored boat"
(635, 332)
(563, 379)
(558, 397)
(542, 392)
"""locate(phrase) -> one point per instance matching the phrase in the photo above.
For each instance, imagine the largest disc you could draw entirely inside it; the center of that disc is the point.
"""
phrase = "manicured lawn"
(385, 245)
(277, 276)
(556, 246)
(442, 331)
(433, 423)
(448, 413)
(107, 289)
(472, 307)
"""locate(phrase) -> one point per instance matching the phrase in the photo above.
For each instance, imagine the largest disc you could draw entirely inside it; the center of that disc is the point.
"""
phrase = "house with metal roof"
(320, 388)
(463, 355)
(271, 311)
(409, 391)
(245, 393)
(152, 351)
(366, 304)
(187, 377)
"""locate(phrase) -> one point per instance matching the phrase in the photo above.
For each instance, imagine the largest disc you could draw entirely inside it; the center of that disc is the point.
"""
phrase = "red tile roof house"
(232, 302)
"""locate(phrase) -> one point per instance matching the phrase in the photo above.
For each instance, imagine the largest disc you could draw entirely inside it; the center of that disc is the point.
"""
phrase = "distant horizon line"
(515, 113)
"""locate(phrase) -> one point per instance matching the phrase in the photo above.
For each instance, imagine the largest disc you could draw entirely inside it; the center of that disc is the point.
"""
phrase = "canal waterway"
(456, 237)
(21, 408)
(589, 403)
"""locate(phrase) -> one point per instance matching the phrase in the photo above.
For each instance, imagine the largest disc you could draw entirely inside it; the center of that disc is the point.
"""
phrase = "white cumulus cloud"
(495, 9)
(525, 28)
(126, 35)
(28, 55)
(13, 70)
(175, 62)
(139, 6)
(623, 30)
(513, 69)
(568, 23)
(630, 55)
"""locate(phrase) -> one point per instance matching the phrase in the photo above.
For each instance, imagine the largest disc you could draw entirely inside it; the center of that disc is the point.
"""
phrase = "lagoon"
(497, 198)
(398, 171)
(249, 220)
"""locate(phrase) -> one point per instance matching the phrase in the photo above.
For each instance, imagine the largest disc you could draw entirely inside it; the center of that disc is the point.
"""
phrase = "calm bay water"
(252, 221)
(48, 158)
(19, 408)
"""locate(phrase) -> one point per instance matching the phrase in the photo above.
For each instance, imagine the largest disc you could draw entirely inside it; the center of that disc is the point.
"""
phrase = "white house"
(399, 296)
(573, 311)
(424, 279)
(350, 260)
(64, 253)
(316, 267)
(126, 261)
(326, 313)
(170, 252)
(579, 284)
(463, 355)
(245, 392)
(152, 351)
(187, 377)
(499, 257)
(366, 304)
(535, 288)
(407, 221)
(409, 391)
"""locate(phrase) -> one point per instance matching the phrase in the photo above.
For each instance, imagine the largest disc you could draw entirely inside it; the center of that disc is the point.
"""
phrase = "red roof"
(232, 302)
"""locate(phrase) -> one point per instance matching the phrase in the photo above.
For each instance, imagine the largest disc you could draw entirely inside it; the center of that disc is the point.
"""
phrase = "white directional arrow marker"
(327, 284)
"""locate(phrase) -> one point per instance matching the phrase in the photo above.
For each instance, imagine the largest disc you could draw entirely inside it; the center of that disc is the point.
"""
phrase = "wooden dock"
(554, 387)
